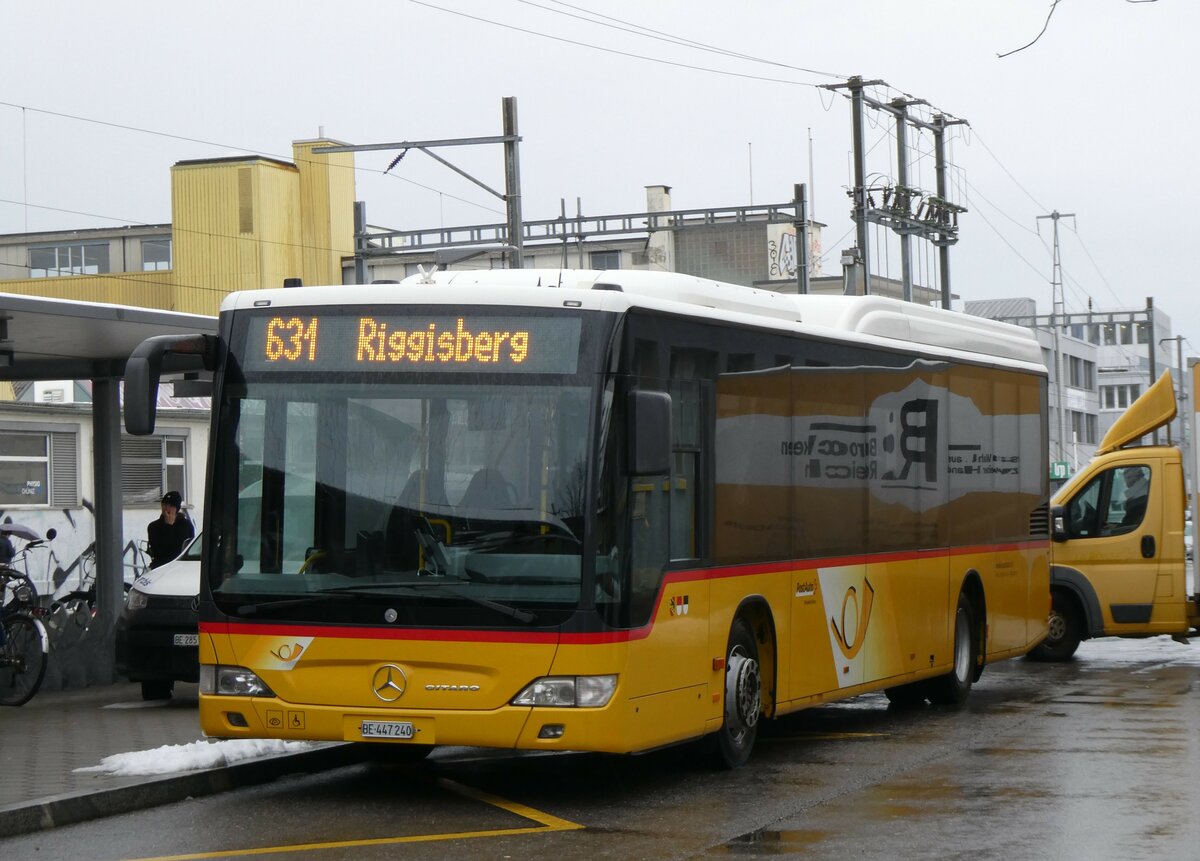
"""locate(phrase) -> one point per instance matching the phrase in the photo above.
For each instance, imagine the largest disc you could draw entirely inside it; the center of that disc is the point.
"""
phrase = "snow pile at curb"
(197, 755)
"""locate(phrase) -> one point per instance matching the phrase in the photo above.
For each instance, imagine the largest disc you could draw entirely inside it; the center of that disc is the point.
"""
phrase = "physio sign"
(471, 343)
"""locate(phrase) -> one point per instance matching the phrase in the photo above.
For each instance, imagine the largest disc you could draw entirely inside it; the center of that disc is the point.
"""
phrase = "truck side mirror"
(1058, 523)
(649, 433)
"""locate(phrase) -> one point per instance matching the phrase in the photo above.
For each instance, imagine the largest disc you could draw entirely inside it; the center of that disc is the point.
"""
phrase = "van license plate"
(187, 640)
(386, 729)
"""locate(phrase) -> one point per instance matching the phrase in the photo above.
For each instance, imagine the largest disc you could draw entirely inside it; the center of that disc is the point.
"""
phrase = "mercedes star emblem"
(389, 683)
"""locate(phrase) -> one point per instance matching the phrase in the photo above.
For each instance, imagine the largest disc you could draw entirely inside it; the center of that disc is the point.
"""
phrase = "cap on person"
(172, 498)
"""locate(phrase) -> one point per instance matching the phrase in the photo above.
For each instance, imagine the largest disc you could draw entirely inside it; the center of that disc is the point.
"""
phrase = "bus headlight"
(232, 682)
(568, 692)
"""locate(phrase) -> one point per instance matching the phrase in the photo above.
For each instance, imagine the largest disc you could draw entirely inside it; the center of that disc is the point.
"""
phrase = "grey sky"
(1088, 120)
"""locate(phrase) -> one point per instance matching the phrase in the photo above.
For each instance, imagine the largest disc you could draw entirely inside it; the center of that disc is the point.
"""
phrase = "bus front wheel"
(953, 688)
(733, 742)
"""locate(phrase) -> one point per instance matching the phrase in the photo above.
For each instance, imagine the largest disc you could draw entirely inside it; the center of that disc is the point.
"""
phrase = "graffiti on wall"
(781, 251)
(63, 563)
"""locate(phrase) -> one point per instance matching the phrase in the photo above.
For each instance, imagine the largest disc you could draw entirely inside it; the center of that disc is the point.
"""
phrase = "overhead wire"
(1041, 274)
(618, 53)
(662, 35)
(247, 150)
(977, 136)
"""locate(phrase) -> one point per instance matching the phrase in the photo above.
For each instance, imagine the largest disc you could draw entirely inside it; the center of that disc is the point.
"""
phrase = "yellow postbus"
(604, 511)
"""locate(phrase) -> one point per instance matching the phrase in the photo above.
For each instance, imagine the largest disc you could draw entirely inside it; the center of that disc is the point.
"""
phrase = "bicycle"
(71, 612)
(24, 641)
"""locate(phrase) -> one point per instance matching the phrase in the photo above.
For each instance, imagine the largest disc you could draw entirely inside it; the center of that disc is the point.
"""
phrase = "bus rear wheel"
(733, 742)
(953, 688)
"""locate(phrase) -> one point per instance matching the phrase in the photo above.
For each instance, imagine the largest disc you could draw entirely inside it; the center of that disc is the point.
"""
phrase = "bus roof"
(875, 319)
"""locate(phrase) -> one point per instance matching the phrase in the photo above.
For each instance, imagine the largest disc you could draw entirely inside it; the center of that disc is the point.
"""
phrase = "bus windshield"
(444, 502)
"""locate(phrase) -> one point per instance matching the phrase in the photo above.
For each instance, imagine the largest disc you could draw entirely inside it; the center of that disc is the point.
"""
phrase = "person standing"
(170, 532)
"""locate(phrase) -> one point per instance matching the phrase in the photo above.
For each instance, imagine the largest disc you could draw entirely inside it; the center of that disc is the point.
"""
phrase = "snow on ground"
(174, 758)
(1113, 650)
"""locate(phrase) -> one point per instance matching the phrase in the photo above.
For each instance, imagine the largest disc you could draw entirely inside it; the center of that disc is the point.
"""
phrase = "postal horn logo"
(288, 652)
(852, 631)
(389, 683)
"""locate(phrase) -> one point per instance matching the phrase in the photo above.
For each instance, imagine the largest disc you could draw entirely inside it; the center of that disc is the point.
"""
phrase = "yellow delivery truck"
(1118, 566)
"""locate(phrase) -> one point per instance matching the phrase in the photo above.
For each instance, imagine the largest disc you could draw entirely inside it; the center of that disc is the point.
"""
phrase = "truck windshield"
(430, 503)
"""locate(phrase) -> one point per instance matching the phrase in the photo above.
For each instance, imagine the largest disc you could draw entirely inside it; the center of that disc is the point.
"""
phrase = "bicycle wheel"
(22, 660)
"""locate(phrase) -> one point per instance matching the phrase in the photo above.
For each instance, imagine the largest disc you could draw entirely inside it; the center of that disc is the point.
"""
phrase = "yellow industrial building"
(237, 223)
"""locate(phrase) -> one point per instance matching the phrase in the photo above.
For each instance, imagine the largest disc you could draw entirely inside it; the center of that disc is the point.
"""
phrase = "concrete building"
(749, 245)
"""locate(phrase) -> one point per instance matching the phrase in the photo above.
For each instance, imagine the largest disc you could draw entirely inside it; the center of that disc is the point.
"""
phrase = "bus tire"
(732, 743)
(1065, 626)
(952, 689)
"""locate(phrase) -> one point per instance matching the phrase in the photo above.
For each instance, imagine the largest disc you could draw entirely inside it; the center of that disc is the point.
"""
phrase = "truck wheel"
(730, 746)
(952, 688)
(1063, 639)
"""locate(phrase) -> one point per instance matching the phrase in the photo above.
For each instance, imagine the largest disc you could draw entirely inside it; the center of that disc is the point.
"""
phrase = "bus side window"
(685, 445)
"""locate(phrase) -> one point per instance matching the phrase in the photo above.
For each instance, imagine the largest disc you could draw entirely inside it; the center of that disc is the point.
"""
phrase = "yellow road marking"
(547, 823)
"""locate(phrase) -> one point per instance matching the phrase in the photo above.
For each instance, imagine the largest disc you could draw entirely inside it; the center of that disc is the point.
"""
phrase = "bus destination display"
(460, 343)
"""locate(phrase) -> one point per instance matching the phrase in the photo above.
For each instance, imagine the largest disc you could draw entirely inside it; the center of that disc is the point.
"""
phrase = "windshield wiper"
(253, 609)
(522, 616)
(491, 540)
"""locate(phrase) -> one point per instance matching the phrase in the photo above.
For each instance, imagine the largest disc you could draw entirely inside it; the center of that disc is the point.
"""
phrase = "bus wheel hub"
(743, 691)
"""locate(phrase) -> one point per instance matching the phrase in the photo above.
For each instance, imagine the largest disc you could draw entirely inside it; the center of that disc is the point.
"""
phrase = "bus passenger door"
(662, 514)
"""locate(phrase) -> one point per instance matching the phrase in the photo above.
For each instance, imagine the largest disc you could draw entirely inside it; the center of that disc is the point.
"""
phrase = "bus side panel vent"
(1039, 521)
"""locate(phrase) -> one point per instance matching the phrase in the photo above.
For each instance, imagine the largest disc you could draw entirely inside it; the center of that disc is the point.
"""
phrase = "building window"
(1083, 427)
(150, 466)
(605, 259)
(1119, 397)
(51, 261)
(156, 254)
(39, 468)
(1081, 373)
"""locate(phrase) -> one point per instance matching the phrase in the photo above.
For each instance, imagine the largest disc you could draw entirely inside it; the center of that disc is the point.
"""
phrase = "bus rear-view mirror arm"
(146, 365)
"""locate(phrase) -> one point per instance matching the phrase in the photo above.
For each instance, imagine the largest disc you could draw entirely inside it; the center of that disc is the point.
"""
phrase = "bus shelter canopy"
(60, 339)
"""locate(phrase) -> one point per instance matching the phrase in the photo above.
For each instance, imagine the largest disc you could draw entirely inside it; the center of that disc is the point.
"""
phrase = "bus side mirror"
(1058, 523)
(145, 366)
(649, 433)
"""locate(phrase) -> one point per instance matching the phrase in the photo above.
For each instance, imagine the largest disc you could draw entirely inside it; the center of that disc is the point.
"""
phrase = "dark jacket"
(167, 540)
